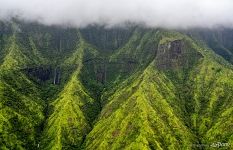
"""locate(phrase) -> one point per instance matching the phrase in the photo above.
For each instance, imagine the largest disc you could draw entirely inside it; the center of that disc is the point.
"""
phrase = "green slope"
(68, 124)
(172, 104)
(97, 88)
(21, 103)
(139, 117)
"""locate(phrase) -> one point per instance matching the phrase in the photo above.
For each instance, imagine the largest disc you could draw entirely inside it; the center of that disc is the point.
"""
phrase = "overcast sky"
(155, 13)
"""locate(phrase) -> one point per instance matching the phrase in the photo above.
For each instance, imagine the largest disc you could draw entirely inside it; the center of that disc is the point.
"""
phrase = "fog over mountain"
(155, 13)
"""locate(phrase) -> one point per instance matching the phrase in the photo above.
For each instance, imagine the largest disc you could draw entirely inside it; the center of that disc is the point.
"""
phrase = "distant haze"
(153, 13)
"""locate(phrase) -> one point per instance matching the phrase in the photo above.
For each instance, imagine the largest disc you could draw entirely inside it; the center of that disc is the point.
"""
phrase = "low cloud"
(153, 13)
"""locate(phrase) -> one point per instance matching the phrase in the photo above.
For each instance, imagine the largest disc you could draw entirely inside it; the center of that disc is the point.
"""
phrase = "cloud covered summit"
(155, 13)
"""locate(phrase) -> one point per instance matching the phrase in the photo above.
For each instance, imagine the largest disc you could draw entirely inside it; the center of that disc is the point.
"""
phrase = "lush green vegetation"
(143, 89)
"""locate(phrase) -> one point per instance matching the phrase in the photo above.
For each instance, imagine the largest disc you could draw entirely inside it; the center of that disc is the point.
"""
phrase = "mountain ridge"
(154, 89)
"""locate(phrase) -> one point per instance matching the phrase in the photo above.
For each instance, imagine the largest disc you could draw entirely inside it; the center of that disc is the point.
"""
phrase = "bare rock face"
(41, 73)
(44, 73)
(176, 55)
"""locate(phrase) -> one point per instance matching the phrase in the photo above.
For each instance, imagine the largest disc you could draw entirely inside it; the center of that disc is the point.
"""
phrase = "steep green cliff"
(122, 88)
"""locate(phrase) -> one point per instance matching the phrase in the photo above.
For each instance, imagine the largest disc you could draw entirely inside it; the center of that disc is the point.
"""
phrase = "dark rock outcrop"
(44, 73)
(41, 73)
(176, 55)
